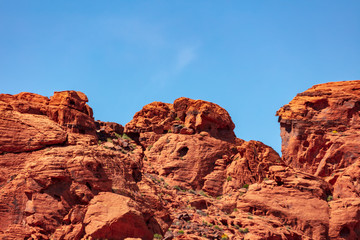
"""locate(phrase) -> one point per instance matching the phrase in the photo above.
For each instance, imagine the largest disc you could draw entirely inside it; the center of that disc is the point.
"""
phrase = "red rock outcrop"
(29, 121)
(320, 135)
(23, 126)
(185, 116)
(48, 181)
(106, 218)
(320, 128)
(177, 171)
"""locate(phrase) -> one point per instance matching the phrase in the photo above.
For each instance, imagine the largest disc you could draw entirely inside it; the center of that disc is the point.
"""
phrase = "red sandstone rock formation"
(177, 170)
(185, 116)
(320, 135)
(320, 128)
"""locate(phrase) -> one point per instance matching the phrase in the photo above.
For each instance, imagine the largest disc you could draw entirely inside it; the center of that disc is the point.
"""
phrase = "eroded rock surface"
(177, 171)
(320, 128)
(185, 116)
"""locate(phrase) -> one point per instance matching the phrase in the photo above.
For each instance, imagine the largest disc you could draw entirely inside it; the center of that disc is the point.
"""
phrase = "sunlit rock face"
(177, 171)
(320, 128)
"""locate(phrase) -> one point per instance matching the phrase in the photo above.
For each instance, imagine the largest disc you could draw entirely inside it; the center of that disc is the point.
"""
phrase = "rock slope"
(177, 171)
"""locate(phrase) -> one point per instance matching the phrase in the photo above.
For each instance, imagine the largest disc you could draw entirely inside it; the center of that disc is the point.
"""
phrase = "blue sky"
(250, 57)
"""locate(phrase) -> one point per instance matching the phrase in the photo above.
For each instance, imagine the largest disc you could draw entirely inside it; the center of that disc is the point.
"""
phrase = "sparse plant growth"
(109, 140)
(218, 197)
(217, 227)
(117, 135)
(224, 237)
(265, 179)
(202, 193)
(157, 236)
(250, 217)
(229, 178)
(246, 185)
(177, 188)
(235, 210)
(177, 119)
(329, 198)
(149, 147)
(124, 136)
(180, 232)
(243, 230)
(192, 191)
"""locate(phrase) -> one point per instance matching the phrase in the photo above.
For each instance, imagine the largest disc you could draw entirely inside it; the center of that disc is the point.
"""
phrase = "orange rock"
(21, 131)
(69, 109)
(299, 210)
(60, 185)
(116, 217)
(347, 183)
(29, 121)
(319, 128)
(197, 115)
(250, 165)
(185, 159)
(345, 219)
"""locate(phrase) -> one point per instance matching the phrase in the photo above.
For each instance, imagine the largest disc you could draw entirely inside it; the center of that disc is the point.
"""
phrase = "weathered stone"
(114, 216)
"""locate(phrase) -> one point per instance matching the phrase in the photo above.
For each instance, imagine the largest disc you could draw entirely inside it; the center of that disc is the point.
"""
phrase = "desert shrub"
(217, 227)
(244, 230)
(157, 236)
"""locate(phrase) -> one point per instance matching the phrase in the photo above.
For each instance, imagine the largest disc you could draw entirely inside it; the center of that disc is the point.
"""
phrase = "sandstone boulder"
(114, 216)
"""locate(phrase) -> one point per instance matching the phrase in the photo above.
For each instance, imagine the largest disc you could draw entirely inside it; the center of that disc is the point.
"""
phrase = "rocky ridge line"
(177, 171)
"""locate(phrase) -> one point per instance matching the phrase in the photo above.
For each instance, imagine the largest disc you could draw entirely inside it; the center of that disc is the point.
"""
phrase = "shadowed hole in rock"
(88, 185)
(357, 229)
(200, 204)
(286, 126)
(344, 232)
(183, 151)
(318, 105)
(57, 197)
(224, 222)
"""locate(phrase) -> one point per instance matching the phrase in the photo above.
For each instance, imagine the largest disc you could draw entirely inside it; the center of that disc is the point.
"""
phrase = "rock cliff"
(177, 171)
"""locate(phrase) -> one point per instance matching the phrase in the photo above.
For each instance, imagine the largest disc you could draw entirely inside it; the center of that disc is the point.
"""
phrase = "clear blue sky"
(250, 57)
